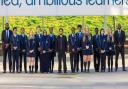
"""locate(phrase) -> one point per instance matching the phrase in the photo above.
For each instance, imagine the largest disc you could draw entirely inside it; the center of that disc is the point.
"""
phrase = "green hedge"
(66, 22)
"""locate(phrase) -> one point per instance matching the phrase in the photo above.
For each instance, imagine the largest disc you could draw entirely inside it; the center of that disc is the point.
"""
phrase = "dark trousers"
(73, 61)
(37, 57)
(23, 56)
(79, 57)
(103, 62)
(110, 62)
(96, 61)
(15, 60)
(120, 51)
(51, 57)
(62, 58)
(7, 52)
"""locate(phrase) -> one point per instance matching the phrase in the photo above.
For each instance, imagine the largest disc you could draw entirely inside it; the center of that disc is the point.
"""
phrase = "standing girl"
(87, 48)
(44, 53)
(103, 50)
(110, 49)
(31, 51)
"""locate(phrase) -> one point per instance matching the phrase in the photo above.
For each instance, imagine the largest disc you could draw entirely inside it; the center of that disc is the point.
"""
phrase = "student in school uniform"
(31, 51)
(44, 53)
(52, 53)
(110, 51)
(23, 50)
(103, 46)
(15, 46)
(79, 35)
(87, 49)
(61, 49)
(6, 46)
(73, 50)
(37, 50)
(96, 50)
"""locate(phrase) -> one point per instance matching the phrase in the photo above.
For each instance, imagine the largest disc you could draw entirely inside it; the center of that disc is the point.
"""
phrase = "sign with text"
(63, 7)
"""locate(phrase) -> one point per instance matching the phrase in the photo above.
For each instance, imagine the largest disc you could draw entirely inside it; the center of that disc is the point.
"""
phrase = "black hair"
(14, 28)
(101, 30)
(60, 29)
(79, 26)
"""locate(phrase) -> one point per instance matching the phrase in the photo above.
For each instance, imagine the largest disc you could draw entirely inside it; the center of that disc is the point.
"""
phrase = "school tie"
(7, 34)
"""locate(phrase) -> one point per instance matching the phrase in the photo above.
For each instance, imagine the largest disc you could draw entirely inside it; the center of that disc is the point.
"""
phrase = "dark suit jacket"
(122, 39)
(4, 38)
(64, 44)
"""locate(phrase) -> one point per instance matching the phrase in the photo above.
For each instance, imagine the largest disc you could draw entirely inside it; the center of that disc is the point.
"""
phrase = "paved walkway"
(114, 80)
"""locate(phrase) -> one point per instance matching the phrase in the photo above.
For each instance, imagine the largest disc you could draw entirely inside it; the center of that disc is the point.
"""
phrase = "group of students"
(39, 50)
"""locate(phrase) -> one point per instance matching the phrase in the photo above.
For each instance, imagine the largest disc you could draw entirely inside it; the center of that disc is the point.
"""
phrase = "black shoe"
(124, 70)
(65, 71)
(88, 71)
(4, 72)
(116, 70)
(59, 71)
(81, 70)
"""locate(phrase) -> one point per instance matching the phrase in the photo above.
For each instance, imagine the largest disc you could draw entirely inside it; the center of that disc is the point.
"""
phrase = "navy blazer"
(96, 43)
(52, 41)
(44, 44)
(87, 41)
(4, 38)
(37, 41)
(15, 42)
(79, 37)
(23, 42)
(103, 42)
(72, 41)
(31, 45)
(110, 45)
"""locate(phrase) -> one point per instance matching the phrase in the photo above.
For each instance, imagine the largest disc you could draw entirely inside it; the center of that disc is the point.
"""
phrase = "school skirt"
(31, 54)
(87, 52)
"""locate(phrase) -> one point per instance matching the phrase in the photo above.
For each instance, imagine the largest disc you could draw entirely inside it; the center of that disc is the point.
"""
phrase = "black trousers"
(120, 51)
(103, 62)
(15, 60)
(62, 58)
(73, 61)
(96, 61)
(110, 62)
(51, 59)
(23, 56)
(37, 57)
(7, 52)
(79, 58)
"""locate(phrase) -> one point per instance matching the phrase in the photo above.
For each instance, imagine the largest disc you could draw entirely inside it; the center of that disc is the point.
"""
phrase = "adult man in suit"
(119, 40)
(52, 54)
(6, 45)
(61, 48)
(79, 36)
(23, 49)
(96, 49)
(73, 50)
(37, 51)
